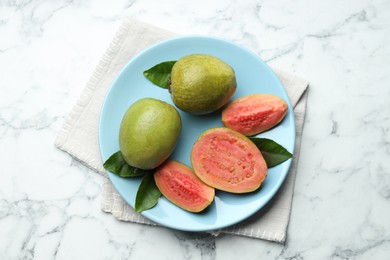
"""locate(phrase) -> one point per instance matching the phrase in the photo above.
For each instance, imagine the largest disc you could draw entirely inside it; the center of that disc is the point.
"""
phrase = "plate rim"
(277, 186)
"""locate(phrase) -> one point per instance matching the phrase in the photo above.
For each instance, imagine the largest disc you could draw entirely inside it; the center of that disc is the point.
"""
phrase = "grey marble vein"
(49, 203)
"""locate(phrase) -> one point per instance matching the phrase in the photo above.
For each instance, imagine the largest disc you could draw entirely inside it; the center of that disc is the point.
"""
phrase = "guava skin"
(201, 83)
(149, 132)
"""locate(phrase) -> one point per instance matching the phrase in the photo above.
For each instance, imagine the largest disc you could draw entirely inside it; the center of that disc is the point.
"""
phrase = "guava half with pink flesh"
(179, 184)
(228, 161)
(254, 114)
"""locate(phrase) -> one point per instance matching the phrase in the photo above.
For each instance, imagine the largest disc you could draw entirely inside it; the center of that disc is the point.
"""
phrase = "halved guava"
(179, 184)
(254, 114)
(228, 161)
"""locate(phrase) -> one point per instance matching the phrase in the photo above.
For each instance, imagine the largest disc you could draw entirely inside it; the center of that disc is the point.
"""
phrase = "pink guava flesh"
(179, 184)
(254, 114)
(228, 161)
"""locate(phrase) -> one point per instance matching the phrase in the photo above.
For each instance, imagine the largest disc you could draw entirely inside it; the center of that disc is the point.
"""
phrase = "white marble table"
(50, 203)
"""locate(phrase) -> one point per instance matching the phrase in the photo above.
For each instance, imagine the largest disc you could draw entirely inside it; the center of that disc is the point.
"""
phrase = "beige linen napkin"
(79, 134)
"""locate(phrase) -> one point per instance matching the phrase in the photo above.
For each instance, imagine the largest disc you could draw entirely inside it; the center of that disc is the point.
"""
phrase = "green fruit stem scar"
(201, 83)
(169, 85)
(149, 132)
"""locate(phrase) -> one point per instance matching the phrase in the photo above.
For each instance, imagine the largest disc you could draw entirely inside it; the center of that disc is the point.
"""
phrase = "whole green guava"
(201, 83)
(149, 132)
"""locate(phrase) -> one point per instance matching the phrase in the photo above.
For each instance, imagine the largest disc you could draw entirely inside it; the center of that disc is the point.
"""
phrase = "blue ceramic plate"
(253, 76)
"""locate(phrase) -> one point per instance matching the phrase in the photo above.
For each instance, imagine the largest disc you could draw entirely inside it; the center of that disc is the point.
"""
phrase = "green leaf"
(147, 194)
(117, 165)
(160, 73)
(272, 152)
